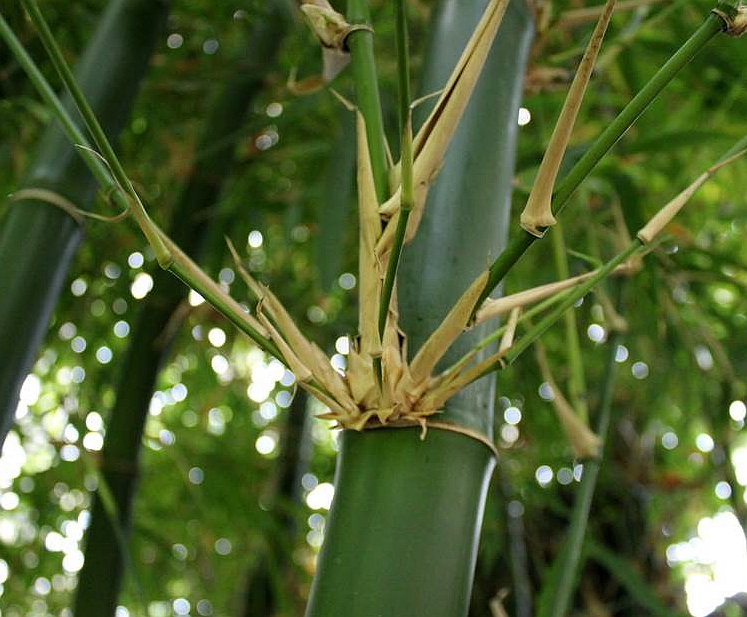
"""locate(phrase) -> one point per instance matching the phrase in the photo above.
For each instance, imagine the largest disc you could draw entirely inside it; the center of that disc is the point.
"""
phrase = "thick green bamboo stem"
(100, 579)
(614, 131)
(37, 240)
(401, 538)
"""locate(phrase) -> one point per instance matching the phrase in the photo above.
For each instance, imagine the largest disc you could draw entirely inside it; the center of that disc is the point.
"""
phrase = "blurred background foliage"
(208, 504)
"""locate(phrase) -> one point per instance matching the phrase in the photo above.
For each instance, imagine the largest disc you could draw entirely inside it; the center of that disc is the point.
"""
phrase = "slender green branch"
(576, 378)
(360, 44)
(635, 247)
(407, 193)
(185, 269)
(92, 123)
(570, 557)
(616, 129)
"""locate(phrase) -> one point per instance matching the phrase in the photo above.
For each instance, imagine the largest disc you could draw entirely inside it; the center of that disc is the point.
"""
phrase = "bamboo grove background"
(233, 479)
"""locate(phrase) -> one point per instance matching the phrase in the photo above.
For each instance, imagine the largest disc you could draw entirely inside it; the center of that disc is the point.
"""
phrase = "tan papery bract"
(537, 214)
(300, 370)
(447, 332)
(508, 336)
(369, 267)
(495, 307)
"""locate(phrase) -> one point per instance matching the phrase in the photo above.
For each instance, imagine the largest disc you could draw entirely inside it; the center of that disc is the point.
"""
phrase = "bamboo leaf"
(537, 214)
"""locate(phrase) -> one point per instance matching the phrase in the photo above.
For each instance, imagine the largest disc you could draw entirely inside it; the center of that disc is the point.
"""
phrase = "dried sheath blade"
(508, 336)
(500, 306)
(369, 266)
(301, 372)
(537, 214)
(447, 332)
(308, 353)
(660, 220)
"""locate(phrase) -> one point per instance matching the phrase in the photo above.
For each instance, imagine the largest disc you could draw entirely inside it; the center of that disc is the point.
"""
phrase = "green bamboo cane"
(712, 25)
(401, 537)
(37, 240)
(101, 577)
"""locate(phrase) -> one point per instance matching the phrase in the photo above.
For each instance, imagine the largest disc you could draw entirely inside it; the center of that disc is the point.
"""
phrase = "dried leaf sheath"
(537, 214)
(660, 220)
(370, 272)
(444, 336)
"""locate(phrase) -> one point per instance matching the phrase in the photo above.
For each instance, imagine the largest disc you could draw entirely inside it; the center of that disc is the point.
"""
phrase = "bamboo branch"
(368, 100)
(712, 25)
(407, 199)
(576, 377)
(569, 559)
(92, 123)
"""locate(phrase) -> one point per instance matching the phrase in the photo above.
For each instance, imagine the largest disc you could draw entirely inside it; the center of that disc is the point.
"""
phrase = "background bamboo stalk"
(38, 240)
(151, 337)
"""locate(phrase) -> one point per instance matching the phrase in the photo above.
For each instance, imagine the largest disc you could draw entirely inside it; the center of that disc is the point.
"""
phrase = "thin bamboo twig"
(368, 100)
(576, 376)
(712, 25)
(99, 137)
(575, 17)
(407, 199)
(635, 248)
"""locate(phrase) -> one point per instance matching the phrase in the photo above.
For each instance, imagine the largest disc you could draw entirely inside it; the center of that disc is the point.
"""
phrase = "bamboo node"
(425, 424)
(733, 17)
